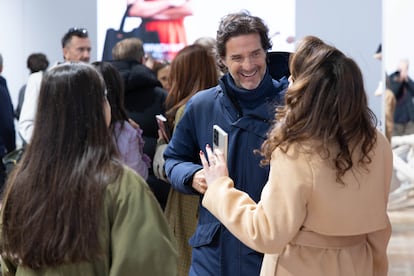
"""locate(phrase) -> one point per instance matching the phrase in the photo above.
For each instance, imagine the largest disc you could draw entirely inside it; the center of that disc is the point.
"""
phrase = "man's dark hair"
(79, 32)
(241, 23)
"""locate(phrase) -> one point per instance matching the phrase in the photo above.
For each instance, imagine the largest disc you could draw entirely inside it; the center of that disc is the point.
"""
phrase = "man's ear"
(64, 52)
(222, 66)
(222, 62)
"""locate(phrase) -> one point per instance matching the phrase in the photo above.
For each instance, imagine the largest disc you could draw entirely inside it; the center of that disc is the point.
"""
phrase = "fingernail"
(201, 152)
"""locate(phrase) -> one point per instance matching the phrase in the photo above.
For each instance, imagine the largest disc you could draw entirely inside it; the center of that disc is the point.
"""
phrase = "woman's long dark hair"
(115, 93)
(53, 200)
(326, 102)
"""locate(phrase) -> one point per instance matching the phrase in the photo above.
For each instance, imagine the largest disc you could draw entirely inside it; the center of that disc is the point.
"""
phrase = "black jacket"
(7, 132)
(144, 98)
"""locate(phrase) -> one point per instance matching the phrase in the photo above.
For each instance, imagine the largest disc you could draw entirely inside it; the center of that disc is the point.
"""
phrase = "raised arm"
(161, 9)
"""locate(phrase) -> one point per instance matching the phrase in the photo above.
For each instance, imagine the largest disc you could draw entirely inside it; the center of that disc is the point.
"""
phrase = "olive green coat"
(134, 233)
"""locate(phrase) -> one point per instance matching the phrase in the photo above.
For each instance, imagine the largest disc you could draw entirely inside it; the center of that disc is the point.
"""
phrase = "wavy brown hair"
(326, 102)
(53, 201)
(193, 69)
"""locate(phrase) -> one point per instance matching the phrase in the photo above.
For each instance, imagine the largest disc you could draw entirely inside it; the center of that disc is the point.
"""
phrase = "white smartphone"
(220, 140)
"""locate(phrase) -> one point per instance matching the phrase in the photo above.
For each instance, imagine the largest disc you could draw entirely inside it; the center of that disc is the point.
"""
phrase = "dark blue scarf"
(259, 101)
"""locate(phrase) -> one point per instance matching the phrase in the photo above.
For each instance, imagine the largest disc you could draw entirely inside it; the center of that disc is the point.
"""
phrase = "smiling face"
(245, 60)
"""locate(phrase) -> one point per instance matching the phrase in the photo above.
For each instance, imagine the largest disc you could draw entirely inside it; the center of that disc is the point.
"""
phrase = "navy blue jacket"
(246, 116)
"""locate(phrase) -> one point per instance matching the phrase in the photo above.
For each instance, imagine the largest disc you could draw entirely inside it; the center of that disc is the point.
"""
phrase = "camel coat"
(306, 223)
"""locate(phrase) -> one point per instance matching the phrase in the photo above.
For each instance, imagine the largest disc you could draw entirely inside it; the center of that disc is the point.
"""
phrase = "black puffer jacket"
(144, 98)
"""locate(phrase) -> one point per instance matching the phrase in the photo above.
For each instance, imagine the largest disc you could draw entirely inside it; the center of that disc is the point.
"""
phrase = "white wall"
(30, 26)
(37, 26)
(353, 26)
(11, 44)
(398, 40)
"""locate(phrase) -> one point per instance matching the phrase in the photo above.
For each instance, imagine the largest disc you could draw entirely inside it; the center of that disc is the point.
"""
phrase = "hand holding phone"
(163, 128)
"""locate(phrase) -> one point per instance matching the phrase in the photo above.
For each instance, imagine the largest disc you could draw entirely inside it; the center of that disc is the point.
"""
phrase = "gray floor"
(401, 246)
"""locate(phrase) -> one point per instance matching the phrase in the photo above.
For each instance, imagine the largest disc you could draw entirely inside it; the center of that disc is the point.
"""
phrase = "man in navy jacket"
(242, 104)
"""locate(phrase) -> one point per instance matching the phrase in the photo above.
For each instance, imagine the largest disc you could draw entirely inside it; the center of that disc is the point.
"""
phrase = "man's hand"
(199, 182)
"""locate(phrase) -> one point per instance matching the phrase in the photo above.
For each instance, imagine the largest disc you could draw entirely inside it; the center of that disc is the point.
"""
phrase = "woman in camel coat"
(323, 210)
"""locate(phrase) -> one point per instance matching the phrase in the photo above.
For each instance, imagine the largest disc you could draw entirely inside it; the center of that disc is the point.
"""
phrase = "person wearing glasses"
(76, 46)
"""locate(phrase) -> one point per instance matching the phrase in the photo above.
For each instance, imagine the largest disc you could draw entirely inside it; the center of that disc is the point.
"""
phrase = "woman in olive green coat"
(70, 207)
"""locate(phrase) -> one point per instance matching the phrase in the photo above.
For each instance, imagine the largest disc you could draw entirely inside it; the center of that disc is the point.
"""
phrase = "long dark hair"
(115, 90)
(326, 102)
(53, 200)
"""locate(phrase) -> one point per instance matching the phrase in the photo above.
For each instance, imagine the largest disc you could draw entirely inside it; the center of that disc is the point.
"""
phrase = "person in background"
(35, 62)
(149, 60)
(403, 88)
(162, 71)
(126, 133)
(76, 47)
(242, 104)
(182, 209)
(144, 99)
(389, 99)
(7, 132)
(84, 212)
(323, 210)
(166, 17)
(211, 44)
